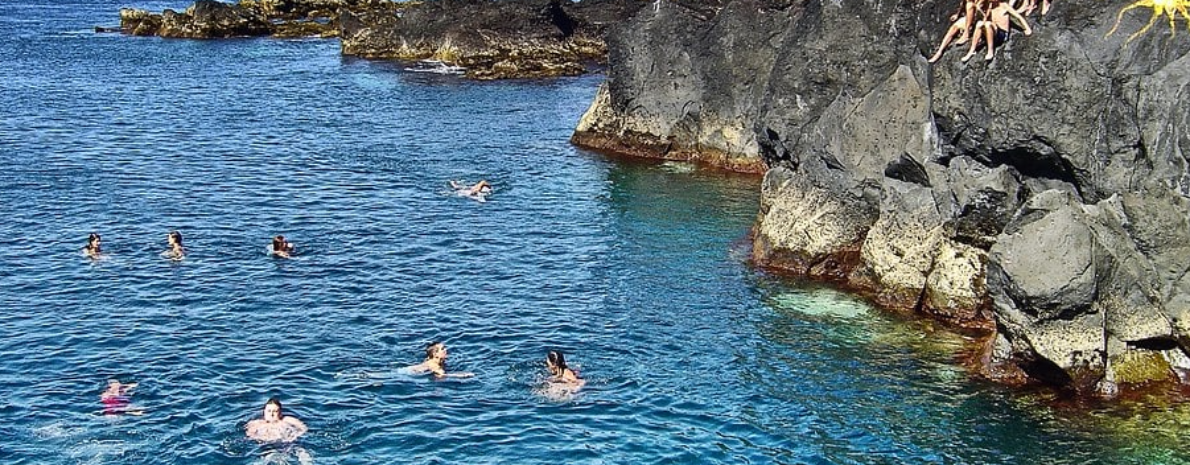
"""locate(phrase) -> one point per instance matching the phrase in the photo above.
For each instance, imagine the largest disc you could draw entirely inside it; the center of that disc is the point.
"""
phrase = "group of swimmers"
(280, 247)
(94, 248)
(275, 426)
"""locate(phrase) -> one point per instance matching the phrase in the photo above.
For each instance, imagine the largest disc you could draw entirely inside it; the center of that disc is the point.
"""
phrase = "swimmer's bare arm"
(418, 369)
(296, 427)
(252, 429)
(478, 187)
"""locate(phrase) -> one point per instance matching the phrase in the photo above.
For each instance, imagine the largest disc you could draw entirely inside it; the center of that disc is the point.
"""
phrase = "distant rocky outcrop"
(491, 39)
(1042, 196)
(206, 19)
(209, 19)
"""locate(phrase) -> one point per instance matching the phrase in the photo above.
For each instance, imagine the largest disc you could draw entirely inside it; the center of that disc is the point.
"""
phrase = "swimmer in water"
(92, 250)
(480, 188)
(275, 426)
(555, 362)
(281, 247)
(435, 363)
(175, 252)
(116, 399)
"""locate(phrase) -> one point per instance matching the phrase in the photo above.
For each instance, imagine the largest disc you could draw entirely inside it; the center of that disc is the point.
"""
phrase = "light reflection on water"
(637, 270)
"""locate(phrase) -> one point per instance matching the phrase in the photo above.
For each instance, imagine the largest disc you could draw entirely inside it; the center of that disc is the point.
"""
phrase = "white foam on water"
(436, 67)
(680, 167)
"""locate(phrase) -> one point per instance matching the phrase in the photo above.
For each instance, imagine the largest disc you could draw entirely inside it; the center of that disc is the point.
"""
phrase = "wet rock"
(1140, 367)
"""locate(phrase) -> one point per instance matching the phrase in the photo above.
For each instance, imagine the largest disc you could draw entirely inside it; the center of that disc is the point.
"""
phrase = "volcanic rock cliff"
(1042, 196)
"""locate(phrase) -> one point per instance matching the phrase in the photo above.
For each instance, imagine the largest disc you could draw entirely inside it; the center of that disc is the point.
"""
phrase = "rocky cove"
(1038, 199)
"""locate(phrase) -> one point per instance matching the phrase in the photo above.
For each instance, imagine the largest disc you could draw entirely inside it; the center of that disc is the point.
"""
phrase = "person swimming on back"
(275, 426)
(175, 252)
(435, 363)
(281, 247)
(92, 250)
(116, 398)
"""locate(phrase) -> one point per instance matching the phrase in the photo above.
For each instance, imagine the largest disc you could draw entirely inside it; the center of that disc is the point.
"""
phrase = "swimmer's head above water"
(175, 244)
(436, 351)
(560, 371)
(556, 362)
(93, 244)
(281, 246)
(272, 410)
(436, 363)
(275, 425)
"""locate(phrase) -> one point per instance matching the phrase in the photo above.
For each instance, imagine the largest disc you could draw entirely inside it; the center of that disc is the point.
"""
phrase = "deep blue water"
(637, 270)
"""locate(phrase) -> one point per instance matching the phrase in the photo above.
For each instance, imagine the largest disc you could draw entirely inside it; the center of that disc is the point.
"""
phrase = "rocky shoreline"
(489, 40)
(1040, 198)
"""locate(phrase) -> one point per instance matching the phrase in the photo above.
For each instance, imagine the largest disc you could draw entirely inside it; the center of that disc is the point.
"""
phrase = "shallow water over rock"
(637, 270)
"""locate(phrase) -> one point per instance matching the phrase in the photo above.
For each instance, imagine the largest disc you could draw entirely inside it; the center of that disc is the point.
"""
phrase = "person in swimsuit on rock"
(92, 250)
(175, 252)
(435, 363)
(275, 426)
(281, 247)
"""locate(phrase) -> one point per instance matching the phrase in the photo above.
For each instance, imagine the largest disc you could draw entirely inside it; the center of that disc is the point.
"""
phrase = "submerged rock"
(1043, 195)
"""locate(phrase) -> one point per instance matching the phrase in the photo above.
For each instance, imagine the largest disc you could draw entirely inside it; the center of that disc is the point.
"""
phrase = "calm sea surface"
(637, 270)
